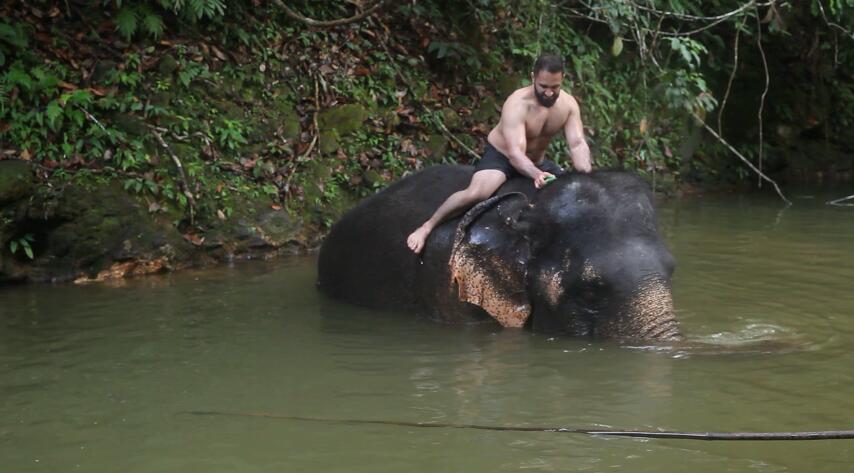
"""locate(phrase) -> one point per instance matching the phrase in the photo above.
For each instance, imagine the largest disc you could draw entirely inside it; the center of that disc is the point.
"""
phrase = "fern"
(152, 23)
(53, 112)
(4, 94)
(126, 21)
(143, 16)
(13, 35)
(17, 76)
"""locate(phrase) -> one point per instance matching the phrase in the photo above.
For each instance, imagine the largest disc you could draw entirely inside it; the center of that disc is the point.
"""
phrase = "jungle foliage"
(192, 104)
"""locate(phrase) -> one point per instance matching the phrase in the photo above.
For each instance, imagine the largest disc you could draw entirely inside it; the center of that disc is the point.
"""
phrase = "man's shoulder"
(567, 98)
(519, 95)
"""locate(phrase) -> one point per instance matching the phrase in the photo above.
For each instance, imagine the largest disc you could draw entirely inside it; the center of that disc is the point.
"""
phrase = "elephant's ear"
(489, 259)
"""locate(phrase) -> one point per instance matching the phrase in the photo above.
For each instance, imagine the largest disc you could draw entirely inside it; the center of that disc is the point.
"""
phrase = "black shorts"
(494, 159)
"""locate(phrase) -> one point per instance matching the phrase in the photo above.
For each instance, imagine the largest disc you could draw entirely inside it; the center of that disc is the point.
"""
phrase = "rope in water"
(663, 434)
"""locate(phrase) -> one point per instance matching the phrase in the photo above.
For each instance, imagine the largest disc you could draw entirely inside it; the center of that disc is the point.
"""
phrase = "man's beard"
(543, 100)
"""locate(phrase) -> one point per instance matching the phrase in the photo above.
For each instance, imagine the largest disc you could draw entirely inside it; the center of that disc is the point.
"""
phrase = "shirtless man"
(530, 118)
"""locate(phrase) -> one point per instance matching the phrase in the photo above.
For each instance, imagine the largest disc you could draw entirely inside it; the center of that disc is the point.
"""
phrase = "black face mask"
(543, 100)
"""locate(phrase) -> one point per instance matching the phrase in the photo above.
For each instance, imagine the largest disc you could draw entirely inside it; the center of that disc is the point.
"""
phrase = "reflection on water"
(94, 378)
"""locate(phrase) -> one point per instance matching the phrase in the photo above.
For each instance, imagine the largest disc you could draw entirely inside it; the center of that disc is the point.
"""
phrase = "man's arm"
(513, 128)
(574, 129)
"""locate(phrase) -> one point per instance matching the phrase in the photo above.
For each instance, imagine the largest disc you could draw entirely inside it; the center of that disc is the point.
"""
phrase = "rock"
(451, 118)
(229, 109)
(488, 111)
(167, 65)
(344, 119)
(16, 181)
(103, 72)
(507, 85)
(130, 124)
(437, 147)
(84, 231)
(328, 141)
(161, 98)
(290, 125)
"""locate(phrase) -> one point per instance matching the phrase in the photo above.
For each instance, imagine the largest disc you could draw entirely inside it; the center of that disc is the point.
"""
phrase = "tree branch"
(329, 23)
(764, 92)
(731, 76)
(746, 161)
(839, 202)
(829, 23)
(185, 187)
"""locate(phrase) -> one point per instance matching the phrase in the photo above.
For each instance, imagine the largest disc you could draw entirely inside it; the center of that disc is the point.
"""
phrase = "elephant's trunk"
(648, 313)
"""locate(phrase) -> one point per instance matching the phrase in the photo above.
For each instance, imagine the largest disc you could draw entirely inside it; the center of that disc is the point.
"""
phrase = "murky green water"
(99, 378)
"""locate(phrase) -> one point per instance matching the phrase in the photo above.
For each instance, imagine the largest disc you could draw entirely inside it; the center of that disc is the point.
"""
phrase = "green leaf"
(18, 76)
(13, 246)
(126, 22)
(13, 35)
(617, 47)
(153, 24)
(29, 251)
(53, 112)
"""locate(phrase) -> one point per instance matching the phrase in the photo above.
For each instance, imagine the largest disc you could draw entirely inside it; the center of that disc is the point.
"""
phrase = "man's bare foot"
(416, 239)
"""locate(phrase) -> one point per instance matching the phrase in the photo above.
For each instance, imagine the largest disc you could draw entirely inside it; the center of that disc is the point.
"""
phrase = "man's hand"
(541, 179)
(582, 165)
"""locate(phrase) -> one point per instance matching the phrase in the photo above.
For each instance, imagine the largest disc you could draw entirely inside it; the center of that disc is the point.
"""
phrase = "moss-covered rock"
(344, 119)
(167, 65)
(328, 141)
(437, 147)
(507, 85)
(103, 72)
(254, 229)
(487, 112)
(161, 98)
(229, 109)
(451, 118)
(130, 124)
(16, 181)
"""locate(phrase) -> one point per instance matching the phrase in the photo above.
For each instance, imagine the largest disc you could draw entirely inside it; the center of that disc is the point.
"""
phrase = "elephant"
(581, 256)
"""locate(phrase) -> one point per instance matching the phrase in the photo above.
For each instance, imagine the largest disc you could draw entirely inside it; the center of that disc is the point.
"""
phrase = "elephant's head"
(582, 256)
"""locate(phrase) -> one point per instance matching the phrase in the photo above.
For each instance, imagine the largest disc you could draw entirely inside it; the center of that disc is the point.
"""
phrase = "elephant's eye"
(592, 291)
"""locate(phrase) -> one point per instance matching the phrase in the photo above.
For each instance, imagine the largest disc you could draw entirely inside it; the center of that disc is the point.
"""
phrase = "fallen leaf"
(25, 155)
(66, 86)
(101, 91)
(194, 239)
(43, 37)
(220, 214)
(361, 71)
(219, 54)
(4, 127)
(276, 207)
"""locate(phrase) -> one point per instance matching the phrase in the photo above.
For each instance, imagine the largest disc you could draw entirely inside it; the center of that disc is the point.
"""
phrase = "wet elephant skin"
(581, 256)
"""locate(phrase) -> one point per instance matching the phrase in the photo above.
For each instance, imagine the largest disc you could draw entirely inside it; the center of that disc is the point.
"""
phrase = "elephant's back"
(364, 259)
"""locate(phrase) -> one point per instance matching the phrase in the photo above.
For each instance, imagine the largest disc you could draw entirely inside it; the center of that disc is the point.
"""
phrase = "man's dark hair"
(550, 62)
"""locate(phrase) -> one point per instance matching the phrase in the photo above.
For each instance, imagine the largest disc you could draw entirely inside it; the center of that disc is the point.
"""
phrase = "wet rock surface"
(92, 233)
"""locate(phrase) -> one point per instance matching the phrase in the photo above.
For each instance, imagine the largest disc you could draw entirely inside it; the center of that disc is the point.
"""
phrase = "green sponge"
(550, 179)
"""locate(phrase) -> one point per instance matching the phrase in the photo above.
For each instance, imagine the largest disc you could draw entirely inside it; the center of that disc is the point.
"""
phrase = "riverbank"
(139, 138)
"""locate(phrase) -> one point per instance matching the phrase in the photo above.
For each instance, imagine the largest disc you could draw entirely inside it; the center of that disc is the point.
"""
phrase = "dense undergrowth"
(198, 105)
